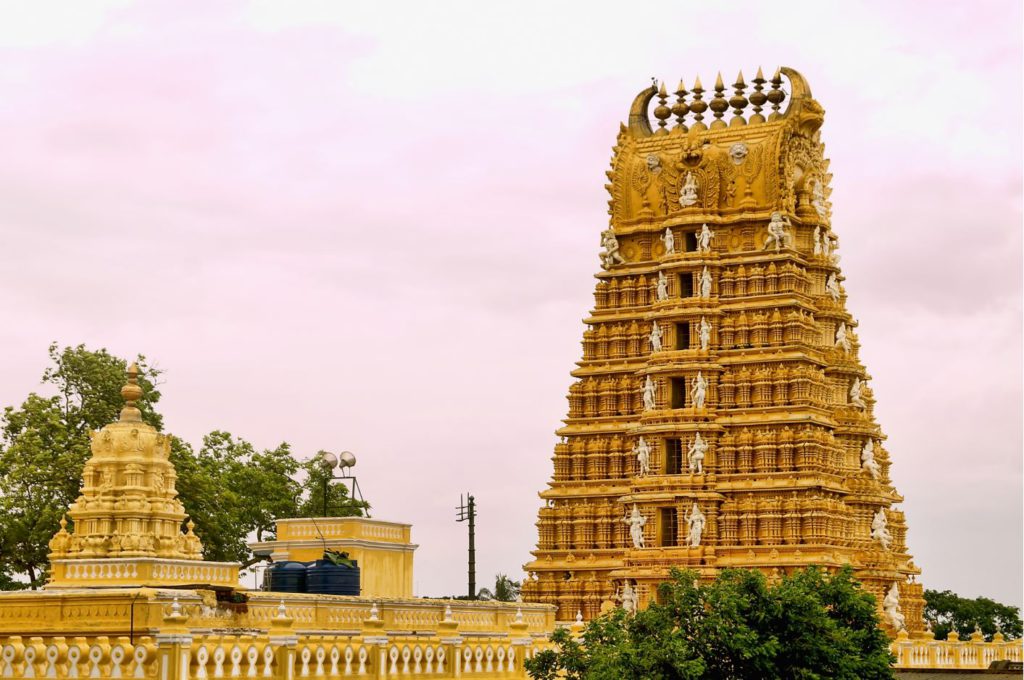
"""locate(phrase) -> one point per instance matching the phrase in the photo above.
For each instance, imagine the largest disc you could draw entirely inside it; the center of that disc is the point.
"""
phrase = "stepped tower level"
(720, 415)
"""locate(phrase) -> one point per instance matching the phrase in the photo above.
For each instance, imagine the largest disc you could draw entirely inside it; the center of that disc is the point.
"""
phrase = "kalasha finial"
(757, 97)
(680, 108)
(131, 393)
(719, 105)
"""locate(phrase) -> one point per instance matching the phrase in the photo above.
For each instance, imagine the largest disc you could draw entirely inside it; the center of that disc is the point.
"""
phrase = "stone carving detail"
(893, 611)
(832, 287)
(628, 598)
(842, 341)
(705, 283)
(857, 394)
(611, 255)
(636, 522)
(777, 233)
(704, 333)
(655, 337)
(669, 239)
(649, 394)
(704, 237)
(867, 459)
(880, 529)
(696, 455)
(642, 450)
(688, 196)
(699, 391)
(695, 521)
(661, 292)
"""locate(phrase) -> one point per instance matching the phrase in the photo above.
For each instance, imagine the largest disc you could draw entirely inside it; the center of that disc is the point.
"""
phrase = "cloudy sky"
(374, 226)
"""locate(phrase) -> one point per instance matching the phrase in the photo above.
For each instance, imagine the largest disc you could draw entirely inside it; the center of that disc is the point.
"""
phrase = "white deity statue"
(695, 523)
(704, 237)
(643, 456)
(857, 393)
(649, 394)
(705, 283)
(699, 391)
(818, 202)
(777, 233)
(832, 248)
(688, 196)
(670, 241)
(832, 287)
(842, 340)
(817, 242)
(628, 598)
(696, 455)
(704, 333)
(655, 337)
(611, 255)
(636, 523)
(880, 529)
(661, 292)
(867, 459)
(891, 607)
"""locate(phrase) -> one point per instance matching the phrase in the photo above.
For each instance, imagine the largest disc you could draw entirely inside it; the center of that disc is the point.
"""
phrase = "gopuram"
(720, 415)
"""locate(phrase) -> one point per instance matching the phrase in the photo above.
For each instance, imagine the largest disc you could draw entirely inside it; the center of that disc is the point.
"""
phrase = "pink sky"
(368, 227)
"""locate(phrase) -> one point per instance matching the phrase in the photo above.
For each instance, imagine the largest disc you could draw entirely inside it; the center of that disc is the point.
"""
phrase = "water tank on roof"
(326, 578)
(288, 577)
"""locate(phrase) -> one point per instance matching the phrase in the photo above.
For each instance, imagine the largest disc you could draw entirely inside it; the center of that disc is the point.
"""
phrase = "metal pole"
(472, 548)
(325, 497)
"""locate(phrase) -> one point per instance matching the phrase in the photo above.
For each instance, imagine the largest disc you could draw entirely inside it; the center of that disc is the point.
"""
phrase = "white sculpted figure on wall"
(628, 598)
(695, 523)
(705, 283)
(867, 459)
(777, 233)
(655, 337)
(832, 287)
(832, 248)
(611, 255)
(643, 456)
(649, 394)
(857, 393)
(661, 292)
(670, 241)
(842, 340)
(696, 455)
(880, 529)
(704, 237)
(817, 242)
(818, 202)
(688, 196)
(699, 391)
(636, 523)
(891, 607)
(704, 334)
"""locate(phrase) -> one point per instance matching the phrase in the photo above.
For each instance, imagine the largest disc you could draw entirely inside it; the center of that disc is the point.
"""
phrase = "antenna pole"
(468, 512)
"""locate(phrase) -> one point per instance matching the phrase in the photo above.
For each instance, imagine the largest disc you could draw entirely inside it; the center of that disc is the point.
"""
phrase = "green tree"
(230, 489)
(505, 590)
(945, 610)
(808, 625)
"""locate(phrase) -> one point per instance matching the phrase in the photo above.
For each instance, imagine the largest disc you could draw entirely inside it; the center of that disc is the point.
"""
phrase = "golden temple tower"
(127, 522)
(720, 416)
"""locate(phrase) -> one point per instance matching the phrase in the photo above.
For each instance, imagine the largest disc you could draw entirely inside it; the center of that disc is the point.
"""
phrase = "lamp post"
(467, 511)
(343, 462)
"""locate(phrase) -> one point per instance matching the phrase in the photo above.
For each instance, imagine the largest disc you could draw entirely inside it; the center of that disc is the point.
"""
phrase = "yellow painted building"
(383, 550)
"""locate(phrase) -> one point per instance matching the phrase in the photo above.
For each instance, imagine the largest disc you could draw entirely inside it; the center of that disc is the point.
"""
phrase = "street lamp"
(342, 462)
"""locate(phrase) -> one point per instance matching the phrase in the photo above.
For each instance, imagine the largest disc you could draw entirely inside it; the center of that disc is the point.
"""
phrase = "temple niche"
(720, 414)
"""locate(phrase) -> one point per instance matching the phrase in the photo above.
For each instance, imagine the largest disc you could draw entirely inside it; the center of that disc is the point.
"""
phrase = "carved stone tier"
(782, 483)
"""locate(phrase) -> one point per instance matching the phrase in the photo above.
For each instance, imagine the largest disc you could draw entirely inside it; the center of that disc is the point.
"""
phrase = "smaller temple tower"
(126, 526)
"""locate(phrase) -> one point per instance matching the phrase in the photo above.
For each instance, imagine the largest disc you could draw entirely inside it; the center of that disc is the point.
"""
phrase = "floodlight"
(346, 459)
(328, 459)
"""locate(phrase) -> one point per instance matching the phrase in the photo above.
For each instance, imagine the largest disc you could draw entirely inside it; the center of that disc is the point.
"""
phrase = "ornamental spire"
(131, 393)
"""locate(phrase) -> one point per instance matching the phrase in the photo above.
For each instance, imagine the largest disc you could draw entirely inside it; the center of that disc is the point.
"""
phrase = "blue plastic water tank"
(288, 577)
(326, 578)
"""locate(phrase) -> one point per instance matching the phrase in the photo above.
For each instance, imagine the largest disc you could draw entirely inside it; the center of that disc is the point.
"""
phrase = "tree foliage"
(505, 590)
(808, 626)
(230, 489)
(945, 610)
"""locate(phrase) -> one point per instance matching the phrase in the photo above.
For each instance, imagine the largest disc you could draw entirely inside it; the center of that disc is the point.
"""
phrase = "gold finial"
(718, 103)
(738, 102)
(131, 393)
(698, 106)
(758, 98)
(680, 108)
(776, 95)
(662, 111)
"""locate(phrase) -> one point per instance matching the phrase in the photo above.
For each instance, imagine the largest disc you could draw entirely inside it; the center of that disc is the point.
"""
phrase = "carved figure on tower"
(655, 337)
(704, 334)
(867, 459)
(643, 456)
(817, 241)
(842, 340)
(669, 239)
(832, 287)
(636, 522)
(699, 391)
(893, 611)
(696, 454)
(880, 529)
(650, 394)
(857, 394)
(688, 196)
(695, 526)
(777, 233)
(661, 292)
(704, 237)
(611, 255)
(705, 283)
(627, 598)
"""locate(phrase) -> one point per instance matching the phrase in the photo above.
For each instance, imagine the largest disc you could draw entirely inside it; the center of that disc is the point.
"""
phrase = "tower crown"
(128, 505)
